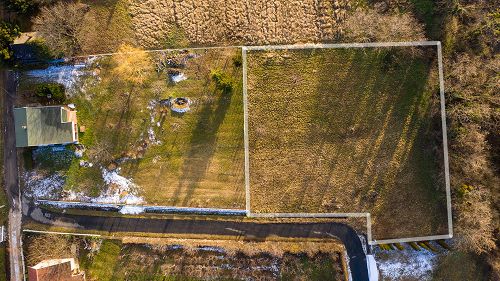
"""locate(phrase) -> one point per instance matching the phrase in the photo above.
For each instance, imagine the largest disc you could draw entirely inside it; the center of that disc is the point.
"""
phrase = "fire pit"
(180, 105)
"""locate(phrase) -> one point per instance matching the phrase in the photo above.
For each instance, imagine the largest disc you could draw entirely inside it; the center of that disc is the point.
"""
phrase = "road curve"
(247, 230)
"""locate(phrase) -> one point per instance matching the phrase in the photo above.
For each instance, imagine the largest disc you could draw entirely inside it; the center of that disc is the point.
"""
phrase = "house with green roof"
(45, 125)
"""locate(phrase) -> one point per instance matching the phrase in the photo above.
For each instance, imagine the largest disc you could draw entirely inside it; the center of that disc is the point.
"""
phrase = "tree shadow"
(201, 147)
(355, 113)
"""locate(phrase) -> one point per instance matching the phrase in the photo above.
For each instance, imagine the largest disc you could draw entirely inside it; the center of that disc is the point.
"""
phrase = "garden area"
(104, 260)
(157, 128)
(348, 130)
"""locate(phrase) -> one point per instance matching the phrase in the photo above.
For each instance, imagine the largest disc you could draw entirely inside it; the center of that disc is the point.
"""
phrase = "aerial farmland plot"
(134, 148)
(347, 130)
(328, 130)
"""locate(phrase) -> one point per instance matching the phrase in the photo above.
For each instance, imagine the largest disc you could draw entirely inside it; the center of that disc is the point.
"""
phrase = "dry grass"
(106, 26)
(252, 261)
(221, 22)
(275, 248)
(347, 130)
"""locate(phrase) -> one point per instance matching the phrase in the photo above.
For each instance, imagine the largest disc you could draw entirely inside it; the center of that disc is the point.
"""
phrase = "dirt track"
(222, 22)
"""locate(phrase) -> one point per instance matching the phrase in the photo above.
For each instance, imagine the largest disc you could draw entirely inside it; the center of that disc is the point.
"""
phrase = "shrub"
(133, 65)
(20, 6)
(8, 32)
(464, 189)
(52, 91)
(238, 61)
(222, 81)
(41, 50)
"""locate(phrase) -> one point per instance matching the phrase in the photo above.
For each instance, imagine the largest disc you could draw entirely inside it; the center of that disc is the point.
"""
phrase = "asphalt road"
(247, 230)
(11, 179)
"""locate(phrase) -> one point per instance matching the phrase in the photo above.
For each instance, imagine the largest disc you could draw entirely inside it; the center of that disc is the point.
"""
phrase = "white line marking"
(245, 131)
(327, 233)
(235, 230)
(61, 233)
(344, 45)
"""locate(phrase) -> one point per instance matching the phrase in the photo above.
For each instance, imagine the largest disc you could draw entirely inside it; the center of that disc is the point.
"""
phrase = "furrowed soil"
(219, 22)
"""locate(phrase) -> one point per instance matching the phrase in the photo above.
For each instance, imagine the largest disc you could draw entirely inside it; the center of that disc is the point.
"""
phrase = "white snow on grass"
(176, 78)
(120, 190)
(132, 210)
(39, 186)
(372, 268)
(211, 249)
(152, 118)
(67, 75)
(401, 265)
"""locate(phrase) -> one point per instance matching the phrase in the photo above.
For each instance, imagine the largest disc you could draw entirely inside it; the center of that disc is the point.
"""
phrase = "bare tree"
(60, 25)
(43, 247)
(133, 65)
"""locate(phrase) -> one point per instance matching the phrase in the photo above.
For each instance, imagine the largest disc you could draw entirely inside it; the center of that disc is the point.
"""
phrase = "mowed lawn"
(348, 130)
(193, 159)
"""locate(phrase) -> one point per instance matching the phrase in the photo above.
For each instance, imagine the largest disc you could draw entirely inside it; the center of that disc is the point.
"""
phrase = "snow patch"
(399, 265)
(211, 249)
(62, 72)
(176, 78)
(152, 119)
(67, 75)
(372, 268)
(120, 190)
(38, 186)
(131, 210)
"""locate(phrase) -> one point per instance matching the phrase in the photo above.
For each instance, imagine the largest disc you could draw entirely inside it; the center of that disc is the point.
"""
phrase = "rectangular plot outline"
(350, 215)
(328, 215)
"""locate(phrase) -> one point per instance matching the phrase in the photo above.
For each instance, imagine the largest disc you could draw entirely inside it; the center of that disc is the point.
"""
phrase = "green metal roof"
(37, 126)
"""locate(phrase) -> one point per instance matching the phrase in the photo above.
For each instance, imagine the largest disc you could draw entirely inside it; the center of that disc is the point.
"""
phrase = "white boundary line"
(245, 129)
(346, 45)
(445, 139)
(60, 233)
(354, 215)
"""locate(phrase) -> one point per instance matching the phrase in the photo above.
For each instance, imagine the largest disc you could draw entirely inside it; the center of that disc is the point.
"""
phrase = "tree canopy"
(8, 32)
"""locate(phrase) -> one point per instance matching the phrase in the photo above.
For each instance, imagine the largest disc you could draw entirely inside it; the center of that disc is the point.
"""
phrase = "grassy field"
(348, 130)
(193, 159)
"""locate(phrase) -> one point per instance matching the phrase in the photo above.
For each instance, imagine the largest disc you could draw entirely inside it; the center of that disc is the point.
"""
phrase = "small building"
(56, 270)
(45, 125)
